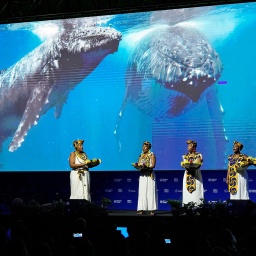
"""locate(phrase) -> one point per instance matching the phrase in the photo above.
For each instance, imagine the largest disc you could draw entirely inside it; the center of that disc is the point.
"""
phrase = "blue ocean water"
(224, 112)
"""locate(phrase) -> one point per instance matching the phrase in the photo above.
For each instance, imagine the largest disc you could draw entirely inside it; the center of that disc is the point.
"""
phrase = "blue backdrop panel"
(122, 187)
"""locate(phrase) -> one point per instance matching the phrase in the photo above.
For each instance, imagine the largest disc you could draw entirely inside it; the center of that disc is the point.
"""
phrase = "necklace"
(82, 156)
(145, 154)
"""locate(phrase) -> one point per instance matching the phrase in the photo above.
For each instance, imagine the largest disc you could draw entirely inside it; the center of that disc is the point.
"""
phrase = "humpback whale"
(169, 69)
(44, 77)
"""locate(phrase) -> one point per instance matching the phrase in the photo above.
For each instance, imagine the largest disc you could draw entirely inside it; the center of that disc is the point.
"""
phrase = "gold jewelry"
(81, 156)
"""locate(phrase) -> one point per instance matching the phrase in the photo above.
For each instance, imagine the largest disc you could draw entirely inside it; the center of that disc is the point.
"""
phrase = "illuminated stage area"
(97, 88)
(114, 81)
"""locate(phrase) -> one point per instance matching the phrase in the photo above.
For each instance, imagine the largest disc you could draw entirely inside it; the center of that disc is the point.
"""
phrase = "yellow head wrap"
(192, 142)
(78, 142)
(240, 145)
(147, 143)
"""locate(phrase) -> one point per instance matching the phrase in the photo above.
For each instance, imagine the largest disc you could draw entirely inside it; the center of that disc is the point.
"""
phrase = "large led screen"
(118, 80)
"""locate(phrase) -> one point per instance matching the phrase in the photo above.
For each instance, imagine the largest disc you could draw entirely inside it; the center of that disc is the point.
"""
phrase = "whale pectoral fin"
(31, 114)
(59, 106)
(216, 113)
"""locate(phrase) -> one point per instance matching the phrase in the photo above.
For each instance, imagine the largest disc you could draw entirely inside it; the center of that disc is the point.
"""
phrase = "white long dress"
(198, 195)
(80, 189)
(147, 196)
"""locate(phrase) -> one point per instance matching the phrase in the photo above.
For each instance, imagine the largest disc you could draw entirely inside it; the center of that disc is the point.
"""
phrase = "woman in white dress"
(147, 198)
(237, 176)
(193, 189)
(79, 176)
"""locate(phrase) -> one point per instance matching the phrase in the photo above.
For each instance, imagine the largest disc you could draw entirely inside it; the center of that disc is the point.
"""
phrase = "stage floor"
(125, 218)
(124, 213)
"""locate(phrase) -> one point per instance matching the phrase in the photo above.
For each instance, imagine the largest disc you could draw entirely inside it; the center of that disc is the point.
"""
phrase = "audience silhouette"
(29, 231)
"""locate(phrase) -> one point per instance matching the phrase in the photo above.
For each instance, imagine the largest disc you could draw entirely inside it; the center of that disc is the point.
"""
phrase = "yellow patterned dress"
(193, 189)
(238, 176)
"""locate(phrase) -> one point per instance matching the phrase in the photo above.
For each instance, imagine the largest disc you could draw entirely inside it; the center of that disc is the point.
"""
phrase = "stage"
(119, 187)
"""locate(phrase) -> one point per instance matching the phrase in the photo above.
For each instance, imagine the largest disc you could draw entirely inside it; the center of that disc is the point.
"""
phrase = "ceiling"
(28, 10)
